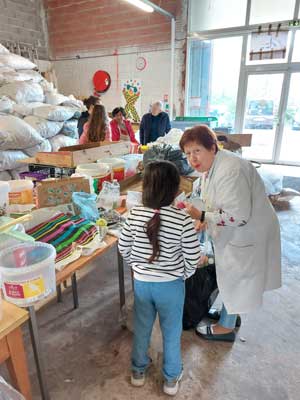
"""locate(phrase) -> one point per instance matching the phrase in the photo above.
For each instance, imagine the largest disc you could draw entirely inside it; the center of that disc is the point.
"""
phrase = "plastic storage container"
(4, 189)
(117, 166)
(132, 162)
(20, 192)
(15, 235)
(100, 172)
(28, 272)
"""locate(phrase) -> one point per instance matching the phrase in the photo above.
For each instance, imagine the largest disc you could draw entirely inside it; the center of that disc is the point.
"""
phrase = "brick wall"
(24, 21)
(111, 35)
(77, 26)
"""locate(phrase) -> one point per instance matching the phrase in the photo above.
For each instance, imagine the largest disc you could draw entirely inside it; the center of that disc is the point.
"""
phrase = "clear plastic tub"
(28, 272)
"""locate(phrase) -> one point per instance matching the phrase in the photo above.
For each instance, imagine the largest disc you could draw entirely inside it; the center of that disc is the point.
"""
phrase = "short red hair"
(200, 134)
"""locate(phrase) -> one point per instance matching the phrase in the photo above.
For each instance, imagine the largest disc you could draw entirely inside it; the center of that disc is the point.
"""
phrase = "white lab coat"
(248, 257)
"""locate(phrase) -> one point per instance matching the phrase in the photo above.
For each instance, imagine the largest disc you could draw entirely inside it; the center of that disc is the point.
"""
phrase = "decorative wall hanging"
(101, 81)
(131, 89)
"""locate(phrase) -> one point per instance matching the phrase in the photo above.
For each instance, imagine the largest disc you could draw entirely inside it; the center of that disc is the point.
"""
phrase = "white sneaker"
(171, 387)
(138, 378)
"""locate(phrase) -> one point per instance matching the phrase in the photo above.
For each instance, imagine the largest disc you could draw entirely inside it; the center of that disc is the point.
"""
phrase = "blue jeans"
(227, 320)
(166, 299)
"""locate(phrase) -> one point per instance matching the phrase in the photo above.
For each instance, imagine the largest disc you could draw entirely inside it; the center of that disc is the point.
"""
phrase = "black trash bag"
(198, 291)
(167, 152)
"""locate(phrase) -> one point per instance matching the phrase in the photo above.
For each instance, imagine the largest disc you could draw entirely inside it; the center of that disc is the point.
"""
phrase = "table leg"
(58, 293)
(74, 290)
(121, 287)
(17, 363)
(38, 353)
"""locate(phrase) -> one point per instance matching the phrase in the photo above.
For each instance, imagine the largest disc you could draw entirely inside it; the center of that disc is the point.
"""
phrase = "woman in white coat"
(242, 225)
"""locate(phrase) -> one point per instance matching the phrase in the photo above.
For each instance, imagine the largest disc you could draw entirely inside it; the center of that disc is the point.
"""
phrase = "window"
(216, 14)
(213, 79)
(263, 11)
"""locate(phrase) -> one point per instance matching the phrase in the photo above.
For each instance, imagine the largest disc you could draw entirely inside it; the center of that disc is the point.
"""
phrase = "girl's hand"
(192, 211)
(200, 226)
(203, 261)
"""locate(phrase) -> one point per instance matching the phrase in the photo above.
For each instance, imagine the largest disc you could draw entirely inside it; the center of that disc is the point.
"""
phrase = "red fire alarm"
(102, 81)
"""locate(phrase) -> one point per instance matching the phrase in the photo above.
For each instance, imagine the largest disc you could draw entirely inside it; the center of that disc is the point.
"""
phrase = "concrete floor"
(87, 353)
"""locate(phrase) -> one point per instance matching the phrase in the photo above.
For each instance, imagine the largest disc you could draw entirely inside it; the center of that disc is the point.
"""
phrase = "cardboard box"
(59, 191)
(70, 157)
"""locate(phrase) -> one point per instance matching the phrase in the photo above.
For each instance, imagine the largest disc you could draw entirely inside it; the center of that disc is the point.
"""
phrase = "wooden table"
(70, 272)
(12, 347)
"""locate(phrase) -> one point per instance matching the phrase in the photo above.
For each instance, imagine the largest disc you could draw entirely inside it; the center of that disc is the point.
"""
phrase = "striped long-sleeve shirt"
(179, 245)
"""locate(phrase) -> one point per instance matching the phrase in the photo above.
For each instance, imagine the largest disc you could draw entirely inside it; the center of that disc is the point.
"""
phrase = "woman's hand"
(200, 226)
(192, 211)
(203, 261)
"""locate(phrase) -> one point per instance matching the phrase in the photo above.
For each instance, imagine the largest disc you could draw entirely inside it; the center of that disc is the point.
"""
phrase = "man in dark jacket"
(89, 102)
(154, 124)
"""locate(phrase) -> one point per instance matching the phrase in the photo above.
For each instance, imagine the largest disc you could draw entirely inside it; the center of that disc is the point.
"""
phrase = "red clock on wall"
(102, 81)
(141, 63)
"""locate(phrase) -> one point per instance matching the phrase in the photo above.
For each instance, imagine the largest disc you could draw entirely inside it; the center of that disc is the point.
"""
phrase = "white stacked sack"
(33, 115)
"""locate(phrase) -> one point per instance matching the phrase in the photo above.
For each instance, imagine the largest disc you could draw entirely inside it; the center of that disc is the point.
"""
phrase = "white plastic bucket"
(4, 189)
(100, 172)
(20, 192)
(28, 272)
(117, 166)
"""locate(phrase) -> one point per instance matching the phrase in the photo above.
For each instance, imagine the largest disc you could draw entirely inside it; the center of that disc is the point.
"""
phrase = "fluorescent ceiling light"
(140, 4)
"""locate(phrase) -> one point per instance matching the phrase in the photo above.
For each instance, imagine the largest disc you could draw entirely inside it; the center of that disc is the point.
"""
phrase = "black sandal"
(209, 335)
(215, 315)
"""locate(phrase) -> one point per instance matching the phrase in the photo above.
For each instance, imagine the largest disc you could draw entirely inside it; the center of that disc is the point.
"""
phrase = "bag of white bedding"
(9, 159)
(15, 61)
(23, 92)
(16, 134)
(54, 113)
(45, 128)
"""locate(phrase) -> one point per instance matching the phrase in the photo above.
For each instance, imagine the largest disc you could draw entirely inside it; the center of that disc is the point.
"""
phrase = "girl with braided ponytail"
(161, 245)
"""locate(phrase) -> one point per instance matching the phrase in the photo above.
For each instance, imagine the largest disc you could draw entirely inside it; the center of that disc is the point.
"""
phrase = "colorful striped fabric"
(64, 233)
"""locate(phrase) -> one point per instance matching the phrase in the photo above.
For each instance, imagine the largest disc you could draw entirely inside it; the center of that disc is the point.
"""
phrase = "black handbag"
(199, 290)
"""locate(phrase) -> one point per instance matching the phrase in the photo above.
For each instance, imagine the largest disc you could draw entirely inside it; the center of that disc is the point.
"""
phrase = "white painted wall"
(75, 76)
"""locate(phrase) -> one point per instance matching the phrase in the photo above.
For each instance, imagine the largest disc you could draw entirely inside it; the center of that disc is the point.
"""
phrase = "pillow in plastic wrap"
(74, 103)
(172, 137)
(45, 145)
(70, 129)
(9, 159)
(19, 76)
(3, 50)
(26, 109)
(6, 105)
(273, 181)
(23, 92)
(16, 134)
(54, 98)
(15, 61)
(45, 128)
(62, 141)
(5, 176)
(54, 113)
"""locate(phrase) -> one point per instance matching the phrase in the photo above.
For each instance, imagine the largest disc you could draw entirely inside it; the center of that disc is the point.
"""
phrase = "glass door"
(289, 151)
(262, 108)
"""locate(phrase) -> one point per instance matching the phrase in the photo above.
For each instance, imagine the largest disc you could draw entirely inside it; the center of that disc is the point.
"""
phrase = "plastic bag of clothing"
(23, 92)
(59, 141)
(6, 104)
(3, 50)
(198, 290)
(5, 176)
(70, 128)
(45, 128)
(20, 76)
(8, 393)
(16, 134)
(54, 113)
(15, 61)
(54, 98)
(167, 152)
(85, 205)
(273, 181)
(23, 110)
(45, 145)
(9, 159)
